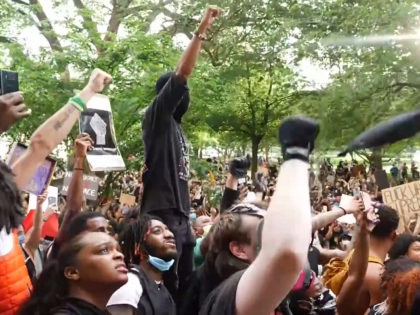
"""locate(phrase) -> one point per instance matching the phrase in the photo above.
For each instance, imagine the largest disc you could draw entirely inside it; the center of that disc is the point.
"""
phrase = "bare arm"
(190, 55)
(34, 237)
(54, 130)
(357, 271)
(75, 192)
(283, 248)
(323, 219)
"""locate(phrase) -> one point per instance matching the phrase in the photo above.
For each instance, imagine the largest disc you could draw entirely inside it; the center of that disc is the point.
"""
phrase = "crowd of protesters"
(291, 240)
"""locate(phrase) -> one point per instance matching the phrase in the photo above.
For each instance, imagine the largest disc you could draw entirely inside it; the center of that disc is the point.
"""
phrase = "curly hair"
(401, 291)
(11, 212)
(388, 222)
(402, 244)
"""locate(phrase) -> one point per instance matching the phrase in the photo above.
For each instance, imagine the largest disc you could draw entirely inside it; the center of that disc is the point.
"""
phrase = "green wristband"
(78, 103)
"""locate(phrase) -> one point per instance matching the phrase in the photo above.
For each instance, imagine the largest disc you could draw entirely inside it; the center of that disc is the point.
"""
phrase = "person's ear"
(238, 250)
(71, 273)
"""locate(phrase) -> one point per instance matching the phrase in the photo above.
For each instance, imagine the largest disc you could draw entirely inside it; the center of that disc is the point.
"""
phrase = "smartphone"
(9, 82)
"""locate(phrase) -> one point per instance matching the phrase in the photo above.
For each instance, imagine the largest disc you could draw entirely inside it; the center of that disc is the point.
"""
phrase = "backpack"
(336, 271)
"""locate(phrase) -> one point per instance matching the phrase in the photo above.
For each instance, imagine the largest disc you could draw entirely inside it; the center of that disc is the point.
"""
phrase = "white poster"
(97, 121)
(51, 201)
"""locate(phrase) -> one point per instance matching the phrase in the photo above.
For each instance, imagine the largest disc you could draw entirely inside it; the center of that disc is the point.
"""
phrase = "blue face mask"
(160, 264)
(193, 216)
(21, 239)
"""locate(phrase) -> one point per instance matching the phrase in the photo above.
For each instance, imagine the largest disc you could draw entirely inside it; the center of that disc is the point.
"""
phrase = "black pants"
(175, 279)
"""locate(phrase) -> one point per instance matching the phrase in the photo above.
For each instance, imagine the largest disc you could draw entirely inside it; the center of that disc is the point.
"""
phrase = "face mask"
(160, 264)
(21, 239)
(193, 216)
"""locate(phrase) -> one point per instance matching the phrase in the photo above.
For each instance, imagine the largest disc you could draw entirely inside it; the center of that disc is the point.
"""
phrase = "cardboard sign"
(128, 200)
(90, 186)
(43, 174)
(51, 201)
(405, 199)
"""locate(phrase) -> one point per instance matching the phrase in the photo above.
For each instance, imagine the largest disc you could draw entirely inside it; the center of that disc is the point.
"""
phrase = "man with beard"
(150, 245)
(166, 170)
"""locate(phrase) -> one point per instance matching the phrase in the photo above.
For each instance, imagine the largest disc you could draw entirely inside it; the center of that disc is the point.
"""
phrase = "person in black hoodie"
(166, 170)
(69, 284)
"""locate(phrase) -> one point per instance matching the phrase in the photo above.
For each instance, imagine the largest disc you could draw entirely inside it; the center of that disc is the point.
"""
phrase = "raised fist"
(238, 167)
(98, 80)
(211, 13)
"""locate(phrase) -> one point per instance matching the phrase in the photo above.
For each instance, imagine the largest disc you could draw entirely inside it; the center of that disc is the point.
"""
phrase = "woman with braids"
(150, 247)
(69, 284)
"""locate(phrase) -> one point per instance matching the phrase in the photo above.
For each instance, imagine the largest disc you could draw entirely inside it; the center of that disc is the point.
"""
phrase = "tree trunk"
(255, 144)
(376, 158)
(267, 151)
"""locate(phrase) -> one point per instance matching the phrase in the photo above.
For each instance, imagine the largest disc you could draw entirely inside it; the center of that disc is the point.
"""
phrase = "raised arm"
(238, 168)
(75, 192)
(34, 237)
(54, 130)
(357, 270)
(323, 219)
(286, 233)
(190, 55)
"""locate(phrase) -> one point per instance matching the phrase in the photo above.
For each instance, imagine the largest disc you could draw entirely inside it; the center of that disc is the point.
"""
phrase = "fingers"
(14, 98)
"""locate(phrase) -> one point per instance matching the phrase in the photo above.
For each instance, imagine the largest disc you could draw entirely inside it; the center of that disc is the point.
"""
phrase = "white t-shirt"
(6, 242)
(129, 294)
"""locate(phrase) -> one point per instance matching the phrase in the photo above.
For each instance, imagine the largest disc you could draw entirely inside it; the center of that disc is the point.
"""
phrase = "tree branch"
(397, 87)
(45, 26)
(89, 25)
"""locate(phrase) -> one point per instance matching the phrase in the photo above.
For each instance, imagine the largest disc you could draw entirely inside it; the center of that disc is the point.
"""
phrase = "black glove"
(297, 137)
(239, 166)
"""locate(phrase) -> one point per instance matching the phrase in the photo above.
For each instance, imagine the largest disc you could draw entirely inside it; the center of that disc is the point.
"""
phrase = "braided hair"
(11, 212)
(133, 237)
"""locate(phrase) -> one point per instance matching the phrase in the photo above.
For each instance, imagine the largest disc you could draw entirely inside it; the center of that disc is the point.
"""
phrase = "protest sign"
(90, 185)
(128, 200)
(97, 121)
(51, 201)
(43, 174)
(405, 199)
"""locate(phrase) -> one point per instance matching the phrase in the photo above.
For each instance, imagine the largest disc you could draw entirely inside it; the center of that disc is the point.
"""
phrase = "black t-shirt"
(74, 306)
(222, 300)
(167, 162)
(199, 286)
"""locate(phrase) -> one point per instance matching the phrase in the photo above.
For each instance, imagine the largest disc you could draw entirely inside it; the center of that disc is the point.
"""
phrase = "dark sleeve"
(228, 199)
(169, 97)
(222, 300)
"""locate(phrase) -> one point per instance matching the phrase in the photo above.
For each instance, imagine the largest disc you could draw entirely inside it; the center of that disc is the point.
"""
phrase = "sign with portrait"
(43, 174)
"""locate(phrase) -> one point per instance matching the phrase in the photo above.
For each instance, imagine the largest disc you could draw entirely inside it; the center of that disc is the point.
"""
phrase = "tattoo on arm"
(59, 123)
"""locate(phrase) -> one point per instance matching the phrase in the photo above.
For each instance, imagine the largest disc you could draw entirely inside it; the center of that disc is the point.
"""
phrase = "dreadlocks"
(133, 237)
(11, 212)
